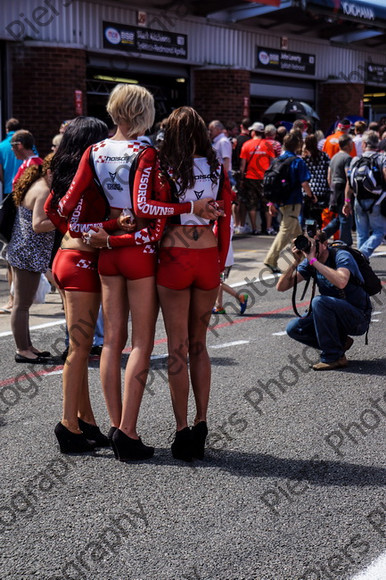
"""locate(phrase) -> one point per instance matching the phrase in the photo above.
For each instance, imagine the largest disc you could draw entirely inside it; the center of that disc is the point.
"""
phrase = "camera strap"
(308, 313)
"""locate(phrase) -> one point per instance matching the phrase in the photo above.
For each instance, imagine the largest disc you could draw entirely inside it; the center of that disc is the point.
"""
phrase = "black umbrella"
(290, 108)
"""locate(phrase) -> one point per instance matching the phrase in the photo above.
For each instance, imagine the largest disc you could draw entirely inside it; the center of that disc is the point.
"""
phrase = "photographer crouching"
(343, 307)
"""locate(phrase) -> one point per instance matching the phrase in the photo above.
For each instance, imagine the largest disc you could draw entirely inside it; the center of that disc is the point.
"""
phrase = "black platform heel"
(72, 442)
(182, 445)
(128, 449)
(110, 435)
(199, 434)
(93, 433)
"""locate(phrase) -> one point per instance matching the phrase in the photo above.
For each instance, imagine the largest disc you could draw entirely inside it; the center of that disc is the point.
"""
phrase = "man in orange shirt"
(255, 158)
(331, 144)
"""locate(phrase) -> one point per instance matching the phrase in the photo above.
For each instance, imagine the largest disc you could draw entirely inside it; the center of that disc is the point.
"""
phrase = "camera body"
(302, 243)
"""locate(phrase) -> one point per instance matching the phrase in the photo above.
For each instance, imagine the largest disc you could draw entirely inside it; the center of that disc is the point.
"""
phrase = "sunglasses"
(15, 143)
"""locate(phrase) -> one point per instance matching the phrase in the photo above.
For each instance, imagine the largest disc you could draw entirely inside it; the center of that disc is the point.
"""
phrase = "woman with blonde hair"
(29, 253)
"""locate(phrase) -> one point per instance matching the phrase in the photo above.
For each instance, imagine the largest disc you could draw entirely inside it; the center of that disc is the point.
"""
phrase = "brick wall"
(337, 100)
(219, 93)
(44, 81)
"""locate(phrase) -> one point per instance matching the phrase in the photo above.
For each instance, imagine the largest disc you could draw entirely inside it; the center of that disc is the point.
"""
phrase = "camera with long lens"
(302, 243)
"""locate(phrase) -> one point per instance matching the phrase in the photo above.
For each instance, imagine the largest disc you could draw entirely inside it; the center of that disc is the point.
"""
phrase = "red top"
(85, 206)
(258, 154)
(331, 145)
(148, 179)
(34, 160)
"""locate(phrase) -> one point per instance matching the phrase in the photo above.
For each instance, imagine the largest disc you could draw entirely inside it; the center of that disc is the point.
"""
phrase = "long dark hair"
(311, 146)
(186, 135)
(80, 133)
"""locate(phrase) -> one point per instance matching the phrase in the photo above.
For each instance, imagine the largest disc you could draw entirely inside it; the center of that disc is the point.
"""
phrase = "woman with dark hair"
(317, 163)
(29, 253)
(190, 261)
(75, 269)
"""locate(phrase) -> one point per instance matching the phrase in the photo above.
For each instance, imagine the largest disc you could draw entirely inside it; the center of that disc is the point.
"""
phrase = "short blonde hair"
(132, 104)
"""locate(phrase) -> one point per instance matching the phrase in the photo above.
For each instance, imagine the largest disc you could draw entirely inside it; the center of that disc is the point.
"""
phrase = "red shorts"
(76, 271)
(132, 262)
(180, 268)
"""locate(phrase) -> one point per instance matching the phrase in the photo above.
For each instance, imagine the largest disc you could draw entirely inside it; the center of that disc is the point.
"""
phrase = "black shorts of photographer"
(254, 201)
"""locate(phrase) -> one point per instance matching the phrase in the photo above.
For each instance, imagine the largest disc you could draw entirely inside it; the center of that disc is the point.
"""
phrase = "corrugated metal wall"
(80, 23)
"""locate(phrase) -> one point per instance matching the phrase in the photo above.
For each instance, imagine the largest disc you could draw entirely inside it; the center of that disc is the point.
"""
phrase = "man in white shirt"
(221, 144)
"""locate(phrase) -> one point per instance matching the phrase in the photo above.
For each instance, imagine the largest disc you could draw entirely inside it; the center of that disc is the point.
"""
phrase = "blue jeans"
(99, 330)
(367, 222)
(342, 223)
(331, 321)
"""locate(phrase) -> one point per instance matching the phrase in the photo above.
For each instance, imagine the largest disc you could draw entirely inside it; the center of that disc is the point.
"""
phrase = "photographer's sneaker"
(336, 364)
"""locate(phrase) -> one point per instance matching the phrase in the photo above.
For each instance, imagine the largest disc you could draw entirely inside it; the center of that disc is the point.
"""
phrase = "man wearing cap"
(331, 144)
(255, 158)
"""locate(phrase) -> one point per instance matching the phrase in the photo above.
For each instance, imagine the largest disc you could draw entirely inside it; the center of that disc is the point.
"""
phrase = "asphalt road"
(292, 486)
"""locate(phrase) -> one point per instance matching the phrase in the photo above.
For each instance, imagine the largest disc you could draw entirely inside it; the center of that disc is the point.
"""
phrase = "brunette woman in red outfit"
(75, 271)
(190, 261)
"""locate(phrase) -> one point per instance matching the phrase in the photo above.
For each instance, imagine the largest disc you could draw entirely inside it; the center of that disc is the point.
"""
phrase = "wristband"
(269, 203)
(108, 243)
(347, 200)
(312, 261)
(191, 207)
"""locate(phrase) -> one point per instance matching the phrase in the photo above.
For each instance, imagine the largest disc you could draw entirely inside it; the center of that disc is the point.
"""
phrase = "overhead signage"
(356, 10)
(145, 40)
(375, 73)
(285, 61)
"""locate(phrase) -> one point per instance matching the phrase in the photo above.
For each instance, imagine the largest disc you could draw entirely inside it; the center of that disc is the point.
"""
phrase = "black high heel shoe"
(128, 449)
(93, 433)
(110, 435)
(182, 445)
(72, 442)
(199, 433)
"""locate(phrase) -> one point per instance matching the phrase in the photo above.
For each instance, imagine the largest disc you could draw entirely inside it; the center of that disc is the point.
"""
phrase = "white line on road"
(281, 333)
(37, 327)
(226, 344)
(376, 570)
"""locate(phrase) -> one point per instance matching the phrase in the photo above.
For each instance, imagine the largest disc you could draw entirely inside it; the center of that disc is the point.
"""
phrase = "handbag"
(7, 218)
(43, 289)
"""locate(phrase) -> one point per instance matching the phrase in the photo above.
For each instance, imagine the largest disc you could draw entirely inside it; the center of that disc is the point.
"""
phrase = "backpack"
(366, 178)
(371, 283)
(277, 185)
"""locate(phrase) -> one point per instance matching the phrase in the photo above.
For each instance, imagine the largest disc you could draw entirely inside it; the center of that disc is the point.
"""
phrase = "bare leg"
(115, 317)
(143, 303)
(230, 290)
(200, 369)
(81, 313)
(219, 297)
(84, 408)
(175, 308)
